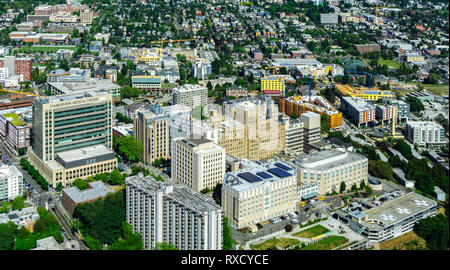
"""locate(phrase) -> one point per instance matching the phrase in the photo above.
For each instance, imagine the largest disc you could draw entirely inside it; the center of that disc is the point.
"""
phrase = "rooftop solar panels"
(264, 175)
(282, 166)
(279, 172)
(372, 92)
(249, 177)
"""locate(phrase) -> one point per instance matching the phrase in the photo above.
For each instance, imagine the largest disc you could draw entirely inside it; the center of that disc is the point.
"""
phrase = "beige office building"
(250, 129)
(330, 168)
(197, 163)
(86, 16)
(153, 132)
(258, 193)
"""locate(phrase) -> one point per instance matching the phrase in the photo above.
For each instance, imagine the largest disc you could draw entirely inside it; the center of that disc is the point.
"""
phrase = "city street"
(40, 197)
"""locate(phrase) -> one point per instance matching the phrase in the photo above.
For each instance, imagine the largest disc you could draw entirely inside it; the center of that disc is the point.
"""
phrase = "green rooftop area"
(312, 232)
(15, 119)
(327, 243)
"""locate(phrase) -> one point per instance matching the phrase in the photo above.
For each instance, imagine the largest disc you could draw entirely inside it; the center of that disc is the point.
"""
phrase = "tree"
(380, 169)
(102, 177)
(227, 242)
(4, 208)
(64, 65)
(165, 246)
(23, 232)
(129, 148)
(18, 203)
(343, 187)
(123, 118)
(102, 219)
(129, 240)
(116, 178)
(81, 184)
(217, 193)
(288, 228)
(404, 148)
(435, 230)
(369, 190)
(415, 104)
(59, 186)
(40, 226)
(8, 233)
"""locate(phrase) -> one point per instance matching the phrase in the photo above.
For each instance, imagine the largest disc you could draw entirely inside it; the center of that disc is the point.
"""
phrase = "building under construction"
(301, 104)
(363, 92)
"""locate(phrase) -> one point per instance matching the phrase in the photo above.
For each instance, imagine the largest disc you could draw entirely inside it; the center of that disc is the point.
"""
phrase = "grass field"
(47, 49)
(408, 241)
(312, 232)
(273, 243)
(389, 63)
(437, 89)
(327, 243)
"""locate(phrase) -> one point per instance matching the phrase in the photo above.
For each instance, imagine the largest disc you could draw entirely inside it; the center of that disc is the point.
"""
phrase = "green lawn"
(389, 63)
(48, 49)
(437, 89)
(312, 232)
(326, 244)
(273, 243)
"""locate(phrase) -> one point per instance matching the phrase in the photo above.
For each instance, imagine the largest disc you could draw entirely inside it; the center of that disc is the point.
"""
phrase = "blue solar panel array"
(249, 177)
(282, 166)
(264, 175)
(279, 172)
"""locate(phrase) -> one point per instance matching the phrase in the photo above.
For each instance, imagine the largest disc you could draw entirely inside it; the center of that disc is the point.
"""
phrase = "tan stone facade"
(54, 173)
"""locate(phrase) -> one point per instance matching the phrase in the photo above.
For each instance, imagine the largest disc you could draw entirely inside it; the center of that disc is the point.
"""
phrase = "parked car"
(294, 221)
(292, 215)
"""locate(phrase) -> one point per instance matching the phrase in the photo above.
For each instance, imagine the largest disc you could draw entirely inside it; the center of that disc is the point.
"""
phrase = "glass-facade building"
(71, 121)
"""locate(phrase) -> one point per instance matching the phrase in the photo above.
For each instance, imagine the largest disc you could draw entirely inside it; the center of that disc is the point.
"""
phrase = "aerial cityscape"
(224, 125)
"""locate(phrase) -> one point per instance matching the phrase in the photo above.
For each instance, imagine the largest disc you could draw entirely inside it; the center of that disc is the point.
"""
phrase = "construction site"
(363, 92)
(301, 104)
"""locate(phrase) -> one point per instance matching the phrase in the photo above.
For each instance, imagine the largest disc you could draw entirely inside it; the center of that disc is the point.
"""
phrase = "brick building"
(18, 66)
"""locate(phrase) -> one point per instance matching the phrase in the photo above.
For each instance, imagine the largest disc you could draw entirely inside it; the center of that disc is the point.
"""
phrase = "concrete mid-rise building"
(164, 212)
(72, 136)
(193, 96)
(73, 85)
(311, 128)
(385, 113)
(391, 219)
(360, 112)
(11, 182)
(197, 163)
(86, 16)
(152, 130)
(258, 193)
(330, 168)
(427, 134)
(15, 129)
(73, 75)
(294, 140)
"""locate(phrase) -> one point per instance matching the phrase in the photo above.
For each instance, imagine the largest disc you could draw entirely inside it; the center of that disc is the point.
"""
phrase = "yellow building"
(272, 85)
(149, 56)
(298, 105)
(363, 92)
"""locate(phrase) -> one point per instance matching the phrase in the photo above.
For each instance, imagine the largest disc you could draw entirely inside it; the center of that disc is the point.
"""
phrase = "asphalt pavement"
(40, 197)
